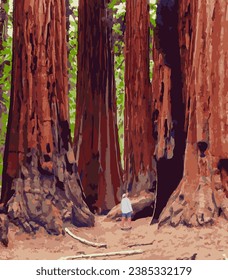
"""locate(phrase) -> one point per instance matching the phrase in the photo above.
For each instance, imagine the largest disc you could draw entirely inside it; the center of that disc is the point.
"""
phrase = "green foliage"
(120, 86)
(112, 4)
(153, 9)
(72, 62)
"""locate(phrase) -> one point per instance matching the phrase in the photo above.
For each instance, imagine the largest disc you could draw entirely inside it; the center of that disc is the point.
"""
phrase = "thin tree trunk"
(68, 12)
(202, 194)
(4, 222)
(3, 21)
(140, 167)
(96, 141)
(3, 36)
(40, 183)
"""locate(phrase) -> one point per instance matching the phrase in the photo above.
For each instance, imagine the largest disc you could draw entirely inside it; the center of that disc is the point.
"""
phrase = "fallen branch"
(143, 244)
(193, 257)
(120, 253)
(84, 241)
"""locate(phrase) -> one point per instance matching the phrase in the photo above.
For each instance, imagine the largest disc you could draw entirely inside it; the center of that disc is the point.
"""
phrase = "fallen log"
(141, 244)
(84, 241)
(120, 253)
(143, 200)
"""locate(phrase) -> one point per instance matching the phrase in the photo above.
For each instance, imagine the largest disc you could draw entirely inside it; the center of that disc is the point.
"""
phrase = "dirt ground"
(168, 243)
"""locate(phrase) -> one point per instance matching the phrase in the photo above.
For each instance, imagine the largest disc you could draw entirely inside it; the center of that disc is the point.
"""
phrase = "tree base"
(42, 199)
(4, 223)
(195, 203)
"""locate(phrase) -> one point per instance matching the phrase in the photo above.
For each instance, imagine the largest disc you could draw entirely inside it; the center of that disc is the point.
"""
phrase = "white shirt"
(126, 205)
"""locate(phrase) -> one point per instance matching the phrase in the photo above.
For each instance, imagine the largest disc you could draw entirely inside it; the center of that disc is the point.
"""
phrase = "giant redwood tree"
(96, 140)
(168, 105)
(140, 167)
(40, 183)
(201, 196)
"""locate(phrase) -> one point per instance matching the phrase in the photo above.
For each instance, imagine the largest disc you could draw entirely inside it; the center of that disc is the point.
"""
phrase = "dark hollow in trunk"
(169, 168)
(201, 196)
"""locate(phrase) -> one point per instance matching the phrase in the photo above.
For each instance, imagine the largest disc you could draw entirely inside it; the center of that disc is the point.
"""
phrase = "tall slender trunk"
(3, 36)
(140, 166)
(96, 141)
(40, 183)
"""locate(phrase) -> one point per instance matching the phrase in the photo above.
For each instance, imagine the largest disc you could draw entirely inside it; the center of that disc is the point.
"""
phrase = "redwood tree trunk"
(40, 183)
(202, 194)
(96, 141)
(140, 169)
(168, 105)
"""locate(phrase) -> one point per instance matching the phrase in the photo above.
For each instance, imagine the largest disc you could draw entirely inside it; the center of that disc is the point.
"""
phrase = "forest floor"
(168, 243)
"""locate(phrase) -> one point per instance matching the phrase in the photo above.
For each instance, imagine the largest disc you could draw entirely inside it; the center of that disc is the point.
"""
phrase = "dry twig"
(84, 241)
(142, 244)
(120, 253)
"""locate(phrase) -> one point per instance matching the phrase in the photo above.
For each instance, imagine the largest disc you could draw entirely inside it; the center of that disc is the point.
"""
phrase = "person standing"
(126, 210)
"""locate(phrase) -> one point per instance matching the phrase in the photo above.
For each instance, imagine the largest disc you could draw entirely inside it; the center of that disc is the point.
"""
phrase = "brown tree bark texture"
(201, 195)
(162, 118)
(140, 170)
(96, 140)
(40, 183)
(167, 105)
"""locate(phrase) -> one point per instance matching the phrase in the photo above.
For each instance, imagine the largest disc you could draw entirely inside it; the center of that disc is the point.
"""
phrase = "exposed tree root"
(4, 223)
(47, 199)
(194, 203)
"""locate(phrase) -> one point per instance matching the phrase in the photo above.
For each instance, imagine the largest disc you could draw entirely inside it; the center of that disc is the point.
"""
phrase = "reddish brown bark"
(40, 185)
(201, 195)
(96, 142)
(140, 170)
